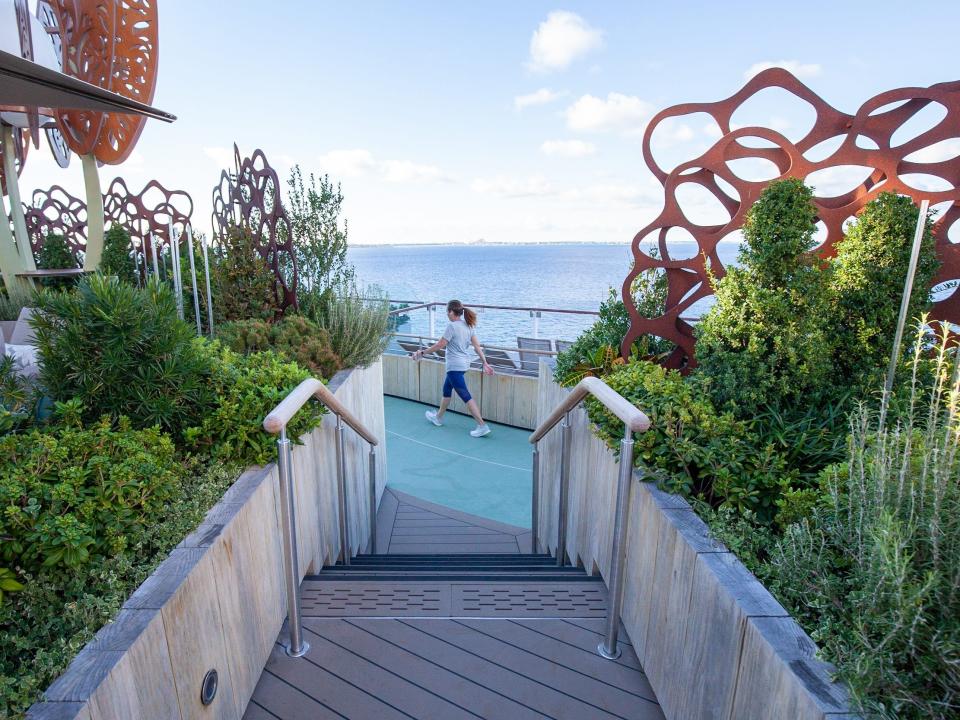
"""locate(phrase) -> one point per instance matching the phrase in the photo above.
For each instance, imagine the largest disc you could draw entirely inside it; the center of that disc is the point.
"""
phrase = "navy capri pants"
(455, 381)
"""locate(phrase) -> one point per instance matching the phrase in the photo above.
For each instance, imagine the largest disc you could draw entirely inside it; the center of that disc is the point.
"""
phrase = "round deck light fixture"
(208, 690)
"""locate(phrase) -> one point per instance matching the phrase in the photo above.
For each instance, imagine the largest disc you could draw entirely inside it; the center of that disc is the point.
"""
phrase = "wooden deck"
(406, 524)
(484, 645)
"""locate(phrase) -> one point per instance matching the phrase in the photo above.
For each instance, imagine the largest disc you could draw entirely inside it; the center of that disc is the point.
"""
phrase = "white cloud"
(612, 194)
(938, 152)
(347, 163)
(560, 39)
(624, 113)
(712, 130)
(567, 148)
(404, 171)
(222, 156)
(504, 186)
(801, 70)
(540, 97)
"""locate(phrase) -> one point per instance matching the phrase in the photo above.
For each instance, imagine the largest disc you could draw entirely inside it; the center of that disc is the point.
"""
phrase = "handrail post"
(535, 501)
(373, 500)
(564, 489)
(297, 647)
(342, 492)
(609, 647)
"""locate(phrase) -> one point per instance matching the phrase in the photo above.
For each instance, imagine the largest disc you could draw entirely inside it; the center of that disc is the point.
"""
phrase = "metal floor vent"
(339, 599)
(531, 600)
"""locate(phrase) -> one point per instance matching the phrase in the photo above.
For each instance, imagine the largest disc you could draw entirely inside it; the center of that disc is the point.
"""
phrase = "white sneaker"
(431, 415)
(480, 431)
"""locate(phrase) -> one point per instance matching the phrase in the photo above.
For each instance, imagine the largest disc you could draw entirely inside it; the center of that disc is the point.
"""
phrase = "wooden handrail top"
(298, 397)
(485, 346)
(633, 418)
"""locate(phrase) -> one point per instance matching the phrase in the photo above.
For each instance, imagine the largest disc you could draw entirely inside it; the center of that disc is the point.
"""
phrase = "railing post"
(609, 647)
(432, 314)
(297, 647)
(564, 489)
(342, 492)
(373, 500)
(535, 501)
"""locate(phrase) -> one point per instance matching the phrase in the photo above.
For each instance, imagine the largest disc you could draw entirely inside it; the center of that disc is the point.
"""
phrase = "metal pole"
(206, 275)
(535, 501)
(373, 499)
(291, 569)
(609, 647)
(904, 305)
(535, 314)
(342, 491)
(175, 261)
(153, 253)
(136, 262)
(565, 429)
(432, 312)
(193, 283)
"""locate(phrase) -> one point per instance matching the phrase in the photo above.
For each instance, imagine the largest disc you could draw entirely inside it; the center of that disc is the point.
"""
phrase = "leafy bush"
(71, 495)
(768, 339)
(246, 388)
(117, 259)
(870, 269)
(295, 337)
(60, 609)
(55, 254)
(244, 286)
(121, 351)
(874, 573)
(12, 302)
(19, 399)
(690, 447)
(357, 323)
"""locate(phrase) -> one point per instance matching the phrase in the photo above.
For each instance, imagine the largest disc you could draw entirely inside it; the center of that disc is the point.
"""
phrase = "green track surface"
(488, 476)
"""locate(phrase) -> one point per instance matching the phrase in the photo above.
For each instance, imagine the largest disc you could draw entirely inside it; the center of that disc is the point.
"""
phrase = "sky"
(515, 122)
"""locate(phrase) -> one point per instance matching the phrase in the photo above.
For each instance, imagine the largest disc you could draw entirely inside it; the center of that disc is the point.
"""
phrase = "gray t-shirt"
(458, 335)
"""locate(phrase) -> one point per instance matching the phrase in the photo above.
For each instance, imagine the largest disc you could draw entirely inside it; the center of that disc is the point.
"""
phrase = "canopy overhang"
(26, 84)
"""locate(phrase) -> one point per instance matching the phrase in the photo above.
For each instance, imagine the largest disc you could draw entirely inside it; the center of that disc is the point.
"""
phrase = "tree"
(116, 258)
(55, 254)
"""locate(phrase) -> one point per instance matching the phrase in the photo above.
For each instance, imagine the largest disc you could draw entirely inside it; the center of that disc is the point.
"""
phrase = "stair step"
(462, 561)
(430, 576)
(453, 556)
(394, 569)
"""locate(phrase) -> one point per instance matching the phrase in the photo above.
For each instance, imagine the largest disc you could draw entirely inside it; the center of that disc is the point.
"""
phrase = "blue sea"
(546, 276)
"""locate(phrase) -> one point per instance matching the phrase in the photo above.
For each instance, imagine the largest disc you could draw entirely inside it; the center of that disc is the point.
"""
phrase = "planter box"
(713, 642)
(218, 601)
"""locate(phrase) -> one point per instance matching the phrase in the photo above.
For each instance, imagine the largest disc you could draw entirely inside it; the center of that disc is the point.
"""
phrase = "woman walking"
(456, 341)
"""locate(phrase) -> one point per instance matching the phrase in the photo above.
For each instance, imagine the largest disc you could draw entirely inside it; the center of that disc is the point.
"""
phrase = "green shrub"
(19, 399)
(117, 259)
(60, 609)
(768, 339)
(870, 269)
(55, 254)
(874, 572)
(8, 583)
(246, 388)
(12, 302)
(121, 351)
(244, 286)
(72, 495)
(295, 337)
(356, 322)
(691, 448)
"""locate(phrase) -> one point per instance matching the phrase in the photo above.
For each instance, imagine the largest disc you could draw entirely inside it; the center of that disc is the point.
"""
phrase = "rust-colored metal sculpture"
(113, 45)
(862, 139)
(250, 198)
(147, 213)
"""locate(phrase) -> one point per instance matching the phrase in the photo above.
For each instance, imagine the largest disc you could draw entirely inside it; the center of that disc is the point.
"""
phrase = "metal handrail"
(485, 346)
(634, 421)
(276, 422)
(475, 306)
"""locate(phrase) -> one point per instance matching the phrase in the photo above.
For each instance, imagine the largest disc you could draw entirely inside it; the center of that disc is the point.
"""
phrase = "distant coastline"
(485, 243)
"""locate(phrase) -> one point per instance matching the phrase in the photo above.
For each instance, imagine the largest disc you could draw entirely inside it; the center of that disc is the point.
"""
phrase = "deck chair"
(530, 362)
(499, 359)
(563, 345)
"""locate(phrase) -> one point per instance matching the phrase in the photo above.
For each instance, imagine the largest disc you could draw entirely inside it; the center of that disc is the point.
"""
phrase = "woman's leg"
(459, 383)
(475, 411)
(447, 395)
(444, 404)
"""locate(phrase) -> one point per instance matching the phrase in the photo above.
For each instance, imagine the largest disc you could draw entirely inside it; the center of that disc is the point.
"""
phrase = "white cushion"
(25, 356)
(22, 332)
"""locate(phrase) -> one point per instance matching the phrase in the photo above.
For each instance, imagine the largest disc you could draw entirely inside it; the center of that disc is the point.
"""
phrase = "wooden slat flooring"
(444, 668)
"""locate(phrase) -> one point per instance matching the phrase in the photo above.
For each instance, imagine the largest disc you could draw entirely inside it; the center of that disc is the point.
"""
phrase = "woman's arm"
(483, 358)
(438, 345)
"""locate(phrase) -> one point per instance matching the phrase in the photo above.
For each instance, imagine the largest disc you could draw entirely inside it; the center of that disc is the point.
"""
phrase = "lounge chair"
(563, 345)
(530, 362)
(20, 346)
(499, 359)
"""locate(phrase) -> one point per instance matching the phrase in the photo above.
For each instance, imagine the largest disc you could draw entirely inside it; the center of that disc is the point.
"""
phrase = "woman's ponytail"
(469, 316)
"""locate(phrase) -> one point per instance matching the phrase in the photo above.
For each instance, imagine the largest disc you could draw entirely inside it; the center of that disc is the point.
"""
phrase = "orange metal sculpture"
(113, 45)
(862, 139)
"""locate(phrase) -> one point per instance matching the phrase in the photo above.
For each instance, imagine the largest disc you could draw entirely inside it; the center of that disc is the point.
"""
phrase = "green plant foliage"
(59, 610)
(244, 286)
(295, 337)
(55, 254)
(690, 447)
(19, 398)
(71, 495)
(121, 351)
(11, 303)
(768, 339)
(246, 388)
(117, 259)
(8, 583)
(356, 322)
(319, 238)
(870, 269)
(874, 572)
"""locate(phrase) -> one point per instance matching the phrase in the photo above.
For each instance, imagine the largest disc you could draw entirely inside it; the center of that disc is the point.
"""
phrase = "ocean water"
(547, 276)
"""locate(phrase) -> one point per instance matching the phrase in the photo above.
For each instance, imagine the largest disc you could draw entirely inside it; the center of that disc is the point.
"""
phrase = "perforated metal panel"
(530, 600)
(374, 599)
